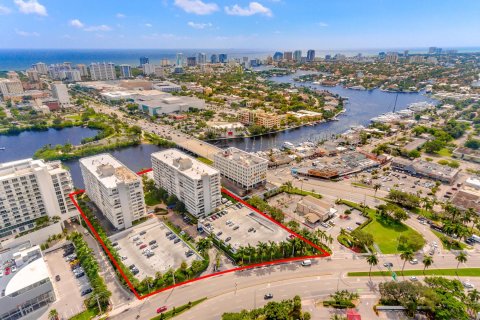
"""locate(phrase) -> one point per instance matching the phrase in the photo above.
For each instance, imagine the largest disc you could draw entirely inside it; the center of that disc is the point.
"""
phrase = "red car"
(162, 309)
(7, 271)
(143, 246)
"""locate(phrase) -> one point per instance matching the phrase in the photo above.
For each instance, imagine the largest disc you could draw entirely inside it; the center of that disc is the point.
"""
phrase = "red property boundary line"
(251, 266)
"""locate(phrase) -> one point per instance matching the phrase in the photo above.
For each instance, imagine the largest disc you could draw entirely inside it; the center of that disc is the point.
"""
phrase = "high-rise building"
(288, 55)
(223, 58)
(297, 55)
(277, 56)
(83, 70)
(116, 190)
(244, 169)
(40, 67)
(32, 189)
(214, 58)
(60, 92)
(432, 50)
(310, 55)
(32, 75)
(10, 87)
(144, 60)
(179, 61)
(391, 57)
(125, 71)
(102, 71)
(164, 62)
(201, 58)
(194, 183)
(191, 61)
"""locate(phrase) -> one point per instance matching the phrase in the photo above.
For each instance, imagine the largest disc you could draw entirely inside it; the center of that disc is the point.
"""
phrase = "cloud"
(31, 6)
(120, 15)
(102, 27)
(253, 8)
(77, 23)
(196, 6)
(4, 10)
(199, 25)
(148, 25)
(322, 24)
(26, 34)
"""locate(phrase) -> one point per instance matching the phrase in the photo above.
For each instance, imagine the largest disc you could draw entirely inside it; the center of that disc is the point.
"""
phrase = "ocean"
(21, 59)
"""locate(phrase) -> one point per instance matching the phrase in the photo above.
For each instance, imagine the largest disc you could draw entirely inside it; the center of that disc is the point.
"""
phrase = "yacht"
(288, 145)
(2, 148)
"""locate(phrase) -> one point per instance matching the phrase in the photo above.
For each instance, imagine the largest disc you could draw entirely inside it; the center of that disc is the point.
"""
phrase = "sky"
(261, 24)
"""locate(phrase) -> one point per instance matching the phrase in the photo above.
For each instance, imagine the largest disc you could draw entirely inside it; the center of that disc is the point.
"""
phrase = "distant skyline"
(217, 24)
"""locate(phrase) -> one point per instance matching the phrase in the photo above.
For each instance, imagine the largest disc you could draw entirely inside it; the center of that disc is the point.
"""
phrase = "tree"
(473, 302)
(53, 314)
(406, 255)
(461, 258)
(376, 187)
(427, 262)
(372, 260)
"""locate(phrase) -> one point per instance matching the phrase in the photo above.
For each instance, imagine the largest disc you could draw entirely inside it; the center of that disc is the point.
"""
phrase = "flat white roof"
(108, 170)
(32, 273)
(240, 157)
(173, 158)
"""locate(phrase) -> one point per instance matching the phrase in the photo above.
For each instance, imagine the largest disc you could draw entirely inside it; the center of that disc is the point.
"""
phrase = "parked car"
(162, 309)
(143, 232)
(413, 278)
(306, 263)
(168, 233)
(228, 239)
(143, 246)
(115, 244)
(176, 240)
(468, 285)
(86, 291)
(236, 227)
(414, 261)
(57, 277)
(155, 246)
(79, 275)
(152, 242)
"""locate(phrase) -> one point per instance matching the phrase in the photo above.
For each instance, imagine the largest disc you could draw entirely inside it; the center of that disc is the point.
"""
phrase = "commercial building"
(310, 55)
(144, 60)
(27, 291)
(297, 55)
(277, 56)
(102, 71)
(222, 58)
(261, 118)
(213, 58)
(179, 61)
(32, 189)
(10, 87)
(426, 169)
(194, 183)
(165, 103)
(288, 55)
(315, 210)
(60, 92)
(391, 57)
(115, 189)
(191, 61)
(467, 154)
(201, 58)
(167, 86)
(125, 71)
(244, 169)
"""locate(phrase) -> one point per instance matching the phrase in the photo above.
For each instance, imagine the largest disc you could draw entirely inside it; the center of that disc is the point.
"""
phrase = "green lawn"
(384, 234)
(449, 243)
(178, 310)
(151, 199)
(85, 315)
(462, 272)
(205, 160)
(444, 152)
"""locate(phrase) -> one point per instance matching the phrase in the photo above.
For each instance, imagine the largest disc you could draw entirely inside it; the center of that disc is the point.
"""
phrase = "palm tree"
(53, 314)
(376, 187)
(473, 305)
(406, 255)
(372, 261)
(461, 258)
(427, 262)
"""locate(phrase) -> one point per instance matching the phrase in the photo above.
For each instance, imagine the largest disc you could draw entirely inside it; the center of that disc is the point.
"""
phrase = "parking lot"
(240, 227)
(151, 250)
(68, 289)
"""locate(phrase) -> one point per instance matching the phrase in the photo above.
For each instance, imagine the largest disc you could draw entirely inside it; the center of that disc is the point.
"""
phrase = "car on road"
(414, 261)
(268, 296)
(468, 285)
(388, 264)
(307, 263)
(413, 278)
(162, 309)
(86, 291)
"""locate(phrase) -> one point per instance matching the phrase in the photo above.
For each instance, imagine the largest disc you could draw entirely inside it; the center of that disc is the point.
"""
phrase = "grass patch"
(449, 243)
(138, 221)
(462, 272)
(205, 160)
(151, 199)
(385, 235)
(85, 315)
(361, 185)
(176, 311)
(445, 152)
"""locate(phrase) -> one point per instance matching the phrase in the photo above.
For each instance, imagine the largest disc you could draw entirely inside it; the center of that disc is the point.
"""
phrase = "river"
(362, 106)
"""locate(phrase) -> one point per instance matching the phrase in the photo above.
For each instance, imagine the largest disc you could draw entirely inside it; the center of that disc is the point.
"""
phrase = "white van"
(306, 263)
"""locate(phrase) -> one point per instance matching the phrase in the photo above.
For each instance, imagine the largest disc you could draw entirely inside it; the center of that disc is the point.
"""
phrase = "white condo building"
(194, 183)
(60, 92)
(115, 189)
(102, 71)
(10, 87)
(31, 189)
(245, 169)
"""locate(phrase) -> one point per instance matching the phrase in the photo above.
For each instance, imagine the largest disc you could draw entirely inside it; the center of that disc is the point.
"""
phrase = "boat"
(288, 145)
(2, 148)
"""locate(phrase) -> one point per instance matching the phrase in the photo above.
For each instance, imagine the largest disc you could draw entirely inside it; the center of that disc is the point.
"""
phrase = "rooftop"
(31, 268)
(108, 170)
(184, 163)
(241, 157)
(25, 166)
